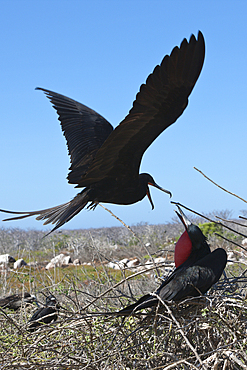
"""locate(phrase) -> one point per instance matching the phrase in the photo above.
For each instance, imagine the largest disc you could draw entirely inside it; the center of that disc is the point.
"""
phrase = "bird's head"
(51, 301)
(192, 240)
(147, 179)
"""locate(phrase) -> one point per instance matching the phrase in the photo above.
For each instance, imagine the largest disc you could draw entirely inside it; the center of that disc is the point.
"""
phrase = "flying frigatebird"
(106, 161)
(197, 269)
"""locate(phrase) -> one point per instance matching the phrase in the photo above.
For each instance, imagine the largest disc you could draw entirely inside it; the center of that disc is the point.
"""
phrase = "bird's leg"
(93, 205)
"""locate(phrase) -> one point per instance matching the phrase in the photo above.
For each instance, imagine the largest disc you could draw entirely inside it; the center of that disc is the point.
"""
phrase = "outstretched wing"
(84, 129)
(158, 104)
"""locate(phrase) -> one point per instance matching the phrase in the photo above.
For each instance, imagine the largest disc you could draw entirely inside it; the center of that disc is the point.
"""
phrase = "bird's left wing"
(158, 104)
(84, 129)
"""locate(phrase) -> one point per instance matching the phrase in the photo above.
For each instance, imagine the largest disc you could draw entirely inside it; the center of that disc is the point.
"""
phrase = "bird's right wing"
(161, 100)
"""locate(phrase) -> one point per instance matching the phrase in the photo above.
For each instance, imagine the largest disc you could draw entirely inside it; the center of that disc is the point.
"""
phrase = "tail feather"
(147, 301)
(58, 215)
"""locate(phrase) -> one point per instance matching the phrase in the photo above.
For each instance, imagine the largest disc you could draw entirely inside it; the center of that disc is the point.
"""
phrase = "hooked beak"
(158, 187)
(184, 219)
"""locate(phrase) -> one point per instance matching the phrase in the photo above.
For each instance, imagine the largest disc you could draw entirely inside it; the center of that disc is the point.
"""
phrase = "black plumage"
(44, 315)
(193, 277)
(106, 161)
(15, 301)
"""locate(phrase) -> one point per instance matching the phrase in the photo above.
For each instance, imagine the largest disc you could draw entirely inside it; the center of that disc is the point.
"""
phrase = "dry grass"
(205, 333)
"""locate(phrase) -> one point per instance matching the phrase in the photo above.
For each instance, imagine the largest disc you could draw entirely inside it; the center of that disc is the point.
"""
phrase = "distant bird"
(106, 161)
(15, 301)
(44, 315)
(197, 269)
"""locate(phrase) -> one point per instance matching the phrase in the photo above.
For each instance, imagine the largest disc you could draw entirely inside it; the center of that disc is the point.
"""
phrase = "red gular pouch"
(183, 249)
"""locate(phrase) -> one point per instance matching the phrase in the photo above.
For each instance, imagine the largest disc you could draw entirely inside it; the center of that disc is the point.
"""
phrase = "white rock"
(6, 258)
(113, 265)
(123, 263)
(244, 242)
(160, 260)
(66, 260)
(49, 266)
(19, 263)
(59, 260)
(133, 263)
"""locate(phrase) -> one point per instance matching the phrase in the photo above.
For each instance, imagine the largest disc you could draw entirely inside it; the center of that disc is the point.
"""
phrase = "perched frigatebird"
(44, 315)
(106, 161)
(15, 301)
(197, 269)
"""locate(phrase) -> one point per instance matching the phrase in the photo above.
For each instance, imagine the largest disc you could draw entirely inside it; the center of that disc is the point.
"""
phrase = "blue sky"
(99, 53)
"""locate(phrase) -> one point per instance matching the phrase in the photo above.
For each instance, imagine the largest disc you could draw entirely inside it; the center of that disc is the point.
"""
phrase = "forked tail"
(58, 215)
(147, 301)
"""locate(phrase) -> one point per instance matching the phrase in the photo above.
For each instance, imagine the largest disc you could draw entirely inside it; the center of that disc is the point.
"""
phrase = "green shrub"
(210, 228)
